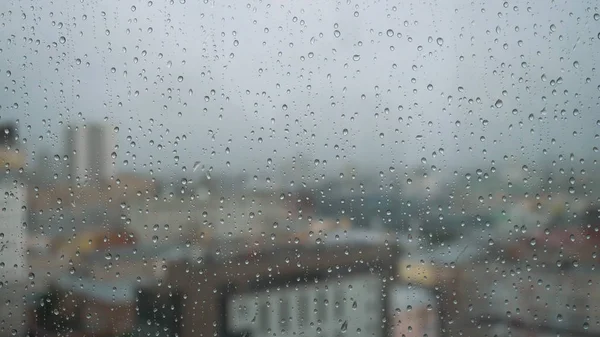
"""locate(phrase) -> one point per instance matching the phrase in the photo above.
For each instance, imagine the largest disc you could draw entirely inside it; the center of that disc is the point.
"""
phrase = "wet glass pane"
(299, 168)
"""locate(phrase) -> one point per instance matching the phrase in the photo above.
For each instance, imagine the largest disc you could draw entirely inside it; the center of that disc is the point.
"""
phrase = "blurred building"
(90, 149)
(414, 312)
(12, 229)
(337, 286)
(13, 267)
(99, 295)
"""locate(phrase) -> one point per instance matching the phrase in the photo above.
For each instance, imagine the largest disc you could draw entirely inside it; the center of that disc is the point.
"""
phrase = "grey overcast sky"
(269, 79)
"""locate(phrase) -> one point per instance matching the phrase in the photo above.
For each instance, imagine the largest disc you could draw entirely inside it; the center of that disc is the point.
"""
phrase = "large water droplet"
(344, 327)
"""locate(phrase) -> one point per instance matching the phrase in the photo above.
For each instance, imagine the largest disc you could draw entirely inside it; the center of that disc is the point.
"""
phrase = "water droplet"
(344, 327)
(62, 39)
(356, 57)
(180, 79)
(390, 33)
(498, 103)
(196, 166)
(336, 33)
(440, 41)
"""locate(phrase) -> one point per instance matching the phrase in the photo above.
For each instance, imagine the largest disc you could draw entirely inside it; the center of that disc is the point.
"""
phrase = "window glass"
(299, 168)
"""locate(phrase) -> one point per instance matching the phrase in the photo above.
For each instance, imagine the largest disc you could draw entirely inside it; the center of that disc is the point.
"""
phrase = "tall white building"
(12, 230)
(90, 149)
(13, 240)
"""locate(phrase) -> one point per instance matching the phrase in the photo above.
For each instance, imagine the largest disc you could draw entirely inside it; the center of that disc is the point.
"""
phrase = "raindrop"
(344, 326)
(499, 103)
(440, 41)
(356, 57)
(196, 166)
(62, 39)
(390, 33)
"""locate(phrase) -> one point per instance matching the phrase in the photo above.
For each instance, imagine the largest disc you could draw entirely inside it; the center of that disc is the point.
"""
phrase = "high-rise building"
(90, 149)
(13, 265)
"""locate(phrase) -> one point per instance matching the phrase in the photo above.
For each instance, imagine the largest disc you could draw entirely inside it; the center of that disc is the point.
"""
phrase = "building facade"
(13, 240)
(90, 149)
(336, 289)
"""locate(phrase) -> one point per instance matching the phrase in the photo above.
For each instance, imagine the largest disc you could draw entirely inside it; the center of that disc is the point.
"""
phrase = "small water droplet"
(498, 103)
